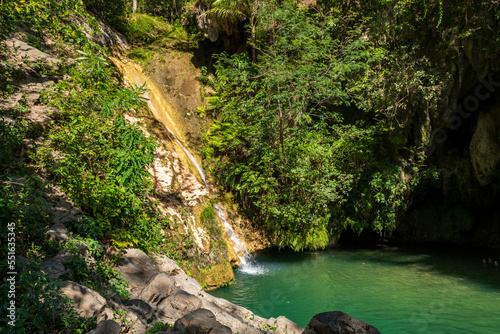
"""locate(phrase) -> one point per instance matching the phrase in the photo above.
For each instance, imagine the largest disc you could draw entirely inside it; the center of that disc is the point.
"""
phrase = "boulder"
(237, 318)
(338, 323)
(54, 269)
(167, 265)
(107, 327)
(142, 309)
(284, 325)
(29, 54)
(87, 302)
(157, 290)
(187, 283)
(58, 232)
(200, 322)
(178, 305)
(137, 268)
(179, 276)
(129, 319)
(64, 255)
(185, 302)
(106, 314)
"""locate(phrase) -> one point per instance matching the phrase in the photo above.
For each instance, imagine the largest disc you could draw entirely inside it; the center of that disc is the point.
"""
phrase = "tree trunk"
(134, 6)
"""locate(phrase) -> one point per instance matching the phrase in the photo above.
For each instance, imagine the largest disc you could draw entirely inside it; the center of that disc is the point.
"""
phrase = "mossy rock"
(214, 276)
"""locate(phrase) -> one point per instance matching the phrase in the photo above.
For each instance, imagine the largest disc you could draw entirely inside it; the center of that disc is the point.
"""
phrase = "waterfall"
(248, 263)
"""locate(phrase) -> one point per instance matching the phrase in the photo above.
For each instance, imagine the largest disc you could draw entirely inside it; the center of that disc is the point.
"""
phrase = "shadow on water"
(283, 255)
(477, 265)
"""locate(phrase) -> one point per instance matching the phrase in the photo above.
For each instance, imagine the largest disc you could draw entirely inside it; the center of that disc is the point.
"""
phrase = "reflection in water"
(397, 290)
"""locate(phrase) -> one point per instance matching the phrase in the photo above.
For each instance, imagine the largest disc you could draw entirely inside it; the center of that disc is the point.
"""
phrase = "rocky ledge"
(162, 292)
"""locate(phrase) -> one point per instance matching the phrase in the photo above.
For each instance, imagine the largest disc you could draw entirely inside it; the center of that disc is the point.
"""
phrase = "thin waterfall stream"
(248, 264)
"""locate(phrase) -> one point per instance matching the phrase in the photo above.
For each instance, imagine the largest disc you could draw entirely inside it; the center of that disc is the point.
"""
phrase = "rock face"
(213, 27)
(87, 302)
(166, 293)
(338, 323)
(485, 146)
(137, 268)
(107, 36)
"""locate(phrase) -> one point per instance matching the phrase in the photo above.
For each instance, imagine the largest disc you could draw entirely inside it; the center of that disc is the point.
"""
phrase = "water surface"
(398, 290)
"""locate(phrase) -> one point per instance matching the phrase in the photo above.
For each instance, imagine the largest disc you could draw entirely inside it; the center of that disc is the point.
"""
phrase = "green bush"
(98, 158)
(42, 17)
(147, 29)
(40, 306)
(113, 12)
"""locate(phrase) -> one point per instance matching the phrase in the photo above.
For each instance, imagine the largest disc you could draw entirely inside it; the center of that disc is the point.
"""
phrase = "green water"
(397, 290)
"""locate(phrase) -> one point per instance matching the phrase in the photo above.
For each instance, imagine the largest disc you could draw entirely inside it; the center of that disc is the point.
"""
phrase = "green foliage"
(230, 9)
(171, 10)
(40, 17)
(147, 29)
(296, 136)
(40, 306)
(88, 228)
(158, 327)
(21, 203)
(218, 246)
(8, 73)
(113, 12)
(98, 158)
(99, 274)
(274, 143)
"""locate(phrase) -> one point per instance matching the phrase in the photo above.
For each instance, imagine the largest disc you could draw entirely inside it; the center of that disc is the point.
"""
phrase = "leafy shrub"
(21, 203)
(97, 157)
(146, 28)
(40, 306)
(42, 16)
(278, 140)
(113, 12)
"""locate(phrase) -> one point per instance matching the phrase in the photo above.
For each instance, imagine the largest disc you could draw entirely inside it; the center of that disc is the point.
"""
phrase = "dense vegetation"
(294, 137)
(320, 123)
(89, 151)
(324, 125)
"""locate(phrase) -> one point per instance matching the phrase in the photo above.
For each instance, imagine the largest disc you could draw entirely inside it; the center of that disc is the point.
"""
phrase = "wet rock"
(107, 327)
(87, 302)
(137, 268)
(338, 323)
(200, 322)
